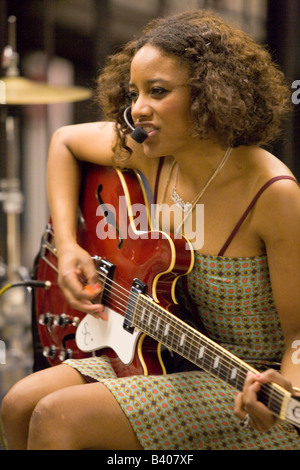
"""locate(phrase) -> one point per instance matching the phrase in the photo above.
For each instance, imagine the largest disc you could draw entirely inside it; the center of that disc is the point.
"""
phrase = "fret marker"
(157, 324)
(233, 374)
(167, 329)
(201, 352)
(216, 363)
(143, 314)
(182, 339)
(149, 319)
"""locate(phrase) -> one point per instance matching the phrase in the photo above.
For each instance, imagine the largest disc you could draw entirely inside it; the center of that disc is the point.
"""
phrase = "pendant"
(183, 206)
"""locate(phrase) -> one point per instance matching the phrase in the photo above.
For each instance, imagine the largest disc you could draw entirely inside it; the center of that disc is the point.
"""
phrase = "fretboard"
(189, 343)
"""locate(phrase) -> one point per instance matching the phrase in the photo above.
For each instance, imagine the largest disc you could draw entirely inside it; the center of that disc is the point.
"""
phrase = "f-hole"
(109, 215)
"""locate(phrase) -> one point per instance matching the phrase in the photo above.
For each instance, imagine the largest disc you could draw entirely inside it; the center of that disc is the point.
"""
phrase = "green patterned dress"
(191, 410)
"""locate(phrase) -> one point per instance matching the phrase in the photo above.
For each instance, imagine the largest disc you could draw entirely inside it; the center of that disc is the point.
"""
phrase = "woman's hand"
(247, 405)
(79, 280)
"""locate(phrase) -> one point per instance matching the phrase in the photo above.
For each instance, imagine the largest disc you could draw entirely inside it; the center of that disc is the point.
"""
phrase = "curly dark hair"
(237, 91)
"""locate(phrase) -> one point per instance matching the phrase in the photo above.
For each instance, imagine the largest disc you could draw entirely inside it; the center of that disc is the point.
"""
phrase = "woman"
(209, 98)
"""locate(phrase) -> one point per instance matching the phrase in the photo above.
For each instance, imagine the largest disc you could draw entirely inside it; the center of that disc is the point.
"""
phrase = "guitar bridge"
(138, 287)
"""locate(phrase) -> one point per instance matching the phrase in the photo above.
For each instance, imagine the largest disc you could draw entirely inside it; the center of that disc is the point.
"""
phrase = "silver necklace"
(187, 207)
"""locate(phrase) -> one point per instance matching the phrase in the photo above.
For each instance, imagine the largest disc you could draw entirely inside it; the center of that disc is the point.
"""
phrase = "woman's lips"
(150, 129)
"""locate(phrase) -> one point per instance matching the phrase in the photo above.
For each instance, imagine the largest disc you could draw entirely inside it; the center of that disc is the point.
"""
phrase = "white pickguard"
(93, 334)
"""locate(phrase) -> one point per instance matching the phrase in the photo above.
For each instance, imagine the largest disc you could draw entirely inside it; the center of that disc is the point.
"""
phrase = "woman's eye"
(158, 91)
(155, 92)
(133, 95)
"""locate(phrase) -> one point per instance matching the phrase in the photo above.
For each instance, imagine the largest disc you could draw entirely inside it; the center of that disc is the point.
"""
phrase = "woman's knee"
(48, 428)
(44, 413)
(17, 404)
(24, 396)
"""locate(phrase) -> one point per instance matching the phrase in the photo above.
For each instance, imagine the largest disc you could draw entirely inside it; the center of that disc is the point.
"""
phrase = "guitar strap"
(160, 165)
(189, 314)
(182, 287)
(149, 194)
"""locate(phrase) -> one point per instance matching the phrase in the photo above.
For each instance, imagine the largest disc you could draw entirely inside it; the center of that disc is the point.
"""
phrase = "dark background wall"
(86, 31)
(283, 38)
(39, 27)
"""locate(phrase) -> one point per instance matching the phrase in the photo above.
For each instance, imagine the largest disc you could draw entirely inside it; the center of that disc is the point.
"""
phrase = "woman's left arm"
(282, 241)
(278, 222)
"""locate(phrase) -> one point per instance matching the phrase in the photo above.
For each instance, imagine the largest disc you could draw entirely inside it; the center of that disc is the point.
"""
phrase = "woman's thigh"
(81, 417)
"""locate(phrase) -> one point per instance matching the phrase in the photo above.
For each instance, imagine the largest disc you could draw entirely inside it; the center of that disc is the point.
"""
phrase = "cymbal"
(22, 91)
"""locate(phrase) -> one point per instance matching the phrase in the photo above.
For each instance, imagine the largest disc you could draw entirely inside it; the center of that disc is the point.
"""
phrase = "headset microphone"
(138, 134)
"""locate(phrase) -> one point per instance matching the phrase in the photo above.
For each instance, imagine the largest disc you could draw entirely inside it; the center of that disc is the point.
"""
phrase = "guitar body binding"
(134, 259)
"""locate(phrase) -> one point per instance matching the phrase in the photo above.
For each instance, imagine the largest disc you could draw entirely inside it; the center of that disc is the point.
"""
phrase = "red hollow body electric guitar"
(139, 269)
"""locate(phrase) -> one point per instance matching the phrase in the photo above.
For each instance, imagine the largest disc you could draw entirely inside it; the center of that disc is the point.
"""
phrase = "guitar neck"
(189, 343)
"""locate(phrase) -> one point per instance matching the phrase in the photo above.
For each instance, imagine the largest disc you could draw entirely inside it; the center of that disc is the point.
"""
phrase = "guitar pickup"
(138, 287)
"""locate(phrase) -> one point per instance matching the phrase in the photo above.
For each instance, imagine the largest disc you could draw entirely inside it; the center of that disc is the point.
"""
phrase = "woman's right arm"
(70, 146)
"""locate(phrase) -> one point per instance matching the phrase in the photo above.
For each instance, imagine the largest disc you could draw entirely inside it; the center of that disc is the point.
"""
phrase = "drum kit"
(17, 91)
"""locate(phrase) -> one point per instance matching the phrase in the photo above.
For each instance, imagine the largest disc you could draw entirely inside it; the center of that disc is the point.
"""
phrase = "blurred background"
(65, 43)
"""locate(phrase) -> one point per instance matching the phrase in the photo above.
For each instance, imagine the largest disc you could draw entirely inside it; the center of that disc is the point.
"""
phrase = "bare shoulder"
(261, 164)
(256, 167)
(96, 142)
(278, 207)
(91, 142)
(270, 169)
(279, 204)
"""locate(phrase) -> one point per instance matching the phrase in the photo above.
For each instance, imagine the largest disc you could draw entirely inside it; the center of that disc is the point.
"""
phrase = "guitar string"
(228, 364)
(133, 298)
(195, 344)
(274, 402)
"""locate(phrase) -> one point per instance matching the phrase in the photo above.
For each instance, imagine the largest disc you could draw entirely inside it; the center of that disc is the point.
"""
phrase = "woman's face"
(161, 101)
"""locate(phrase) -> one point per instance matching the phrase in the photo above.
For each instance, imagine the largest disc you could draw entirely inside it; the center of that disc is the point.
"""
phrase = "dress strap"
(250, 207)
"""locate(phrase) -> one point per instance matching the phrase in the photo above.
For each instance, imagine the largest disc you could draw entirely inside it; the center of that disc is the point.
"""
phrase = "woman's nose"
(140, 109)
